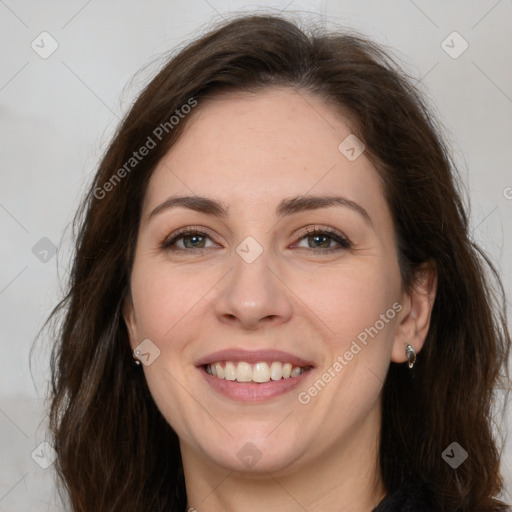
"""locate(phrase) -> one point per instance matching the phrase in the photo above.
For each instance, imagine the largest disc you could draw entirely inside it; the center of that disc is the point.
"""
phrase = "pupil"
(317, 238)
(193, 239)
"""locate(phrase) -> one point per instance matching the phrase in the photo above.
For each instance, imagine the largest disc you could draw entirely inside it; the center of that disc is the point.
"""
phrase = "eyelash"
(344, 242)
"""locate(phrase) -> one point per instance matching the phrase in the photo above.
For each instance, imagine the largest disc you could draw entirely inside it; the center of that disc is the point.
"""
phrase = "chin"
(260, 456)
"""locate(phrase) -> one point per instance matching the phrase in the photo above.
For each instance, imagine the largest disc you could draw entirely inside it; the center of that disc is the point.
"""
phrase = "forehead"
(252, 149)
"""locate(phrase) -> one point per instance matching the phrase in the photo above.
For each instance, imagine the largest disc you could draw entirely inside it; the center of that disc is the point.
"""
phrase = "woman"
(275, 302)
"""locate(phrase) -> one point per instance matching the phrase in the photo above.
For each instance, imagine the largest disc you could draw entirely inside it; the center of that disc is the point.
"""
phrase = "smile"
(253, 375)
(260, 372)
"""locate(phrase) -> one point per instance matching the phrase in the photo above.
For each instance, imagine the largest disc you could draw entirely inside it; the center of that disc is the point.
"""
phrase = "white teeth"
(259, 372)
(229, 371)
(295, 371)
(243, 372)
(276, 371)
(219, 371)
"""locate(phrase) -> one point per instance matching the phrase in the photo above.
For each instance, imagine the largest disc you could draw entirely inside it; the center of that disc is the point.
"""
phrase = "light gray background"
(57, 115)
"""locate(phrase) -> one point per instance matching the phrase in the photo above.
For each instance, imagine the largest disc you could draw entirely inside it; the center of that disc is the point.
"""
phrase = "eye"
(186, 239)
(322, 238)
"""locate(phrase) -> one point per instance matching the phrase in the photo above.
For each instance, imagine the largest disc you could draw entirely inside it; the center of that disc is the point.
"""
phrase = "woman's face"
(255, 286)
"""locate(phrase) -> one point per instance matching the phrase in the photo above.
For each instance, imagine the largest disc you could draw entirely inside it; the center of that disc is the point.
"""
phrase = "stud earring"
(135, 359)
(411, 355)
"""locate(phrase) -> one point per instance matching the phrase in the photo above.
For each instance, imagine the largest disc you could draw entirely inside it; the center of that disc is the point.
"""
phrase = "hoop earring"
(411, 355)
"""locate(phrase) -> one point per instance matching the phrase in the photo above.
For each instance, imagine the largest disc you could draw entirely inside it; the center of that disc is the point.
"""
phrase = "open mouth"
(253, 375)
(260, 372)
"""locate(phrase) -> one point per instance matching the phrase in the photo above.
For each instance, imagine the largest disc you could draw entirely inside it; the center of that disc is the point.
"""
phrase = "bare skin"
(308, 295)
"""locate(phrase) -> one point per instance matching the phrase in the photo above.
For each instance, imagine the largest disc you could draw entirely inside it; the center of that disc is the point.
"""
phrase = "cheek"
(358, 312)
(165, 302)
(164, 298)
(348, 300)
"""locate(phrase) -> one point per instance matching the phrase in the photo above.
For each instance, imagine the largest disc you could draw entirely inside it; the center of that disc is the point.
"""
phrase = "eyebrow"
(286, 207)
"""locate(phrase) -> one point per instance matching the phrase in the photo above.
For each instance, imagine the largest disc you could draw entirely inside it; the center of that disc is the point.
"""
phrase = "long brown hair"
(115, 450)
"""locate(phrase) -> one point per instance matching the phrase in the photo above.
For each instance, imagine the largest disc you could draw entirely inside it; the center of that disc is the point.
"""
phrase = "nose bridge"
(251, 291)
(251, 279)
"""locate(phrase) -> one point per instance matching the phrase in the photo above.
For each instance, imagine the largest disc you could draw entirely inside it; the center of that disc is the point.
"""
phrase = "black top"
(408, 498)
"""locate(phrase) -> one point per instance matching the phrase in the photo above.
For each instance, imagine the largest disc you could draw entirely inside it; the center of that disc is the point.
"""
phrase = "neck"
(346, 478)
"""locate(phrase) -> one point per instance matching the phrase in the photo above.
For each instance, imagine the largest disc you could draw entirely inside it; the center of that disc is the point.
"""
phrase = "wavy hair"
(115, 450)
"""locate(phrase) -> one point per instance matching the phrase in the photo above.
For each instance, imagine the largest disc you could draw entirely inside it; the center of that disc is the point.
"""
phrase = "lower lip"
(252, 391)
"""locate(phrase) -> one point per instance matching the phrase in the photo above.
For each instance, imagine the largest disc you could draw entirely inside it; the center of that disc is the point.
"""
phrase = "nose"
(254, 295)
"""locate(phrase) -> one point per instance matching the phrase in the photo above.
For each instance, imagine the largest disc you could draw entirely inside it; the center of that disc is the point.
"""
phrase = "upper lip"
(253, 356)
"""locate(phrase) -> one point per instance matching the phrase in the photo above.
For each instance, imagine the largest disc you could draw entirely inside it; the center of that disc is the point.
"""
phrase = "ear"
(130, 320)
(414, 320)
